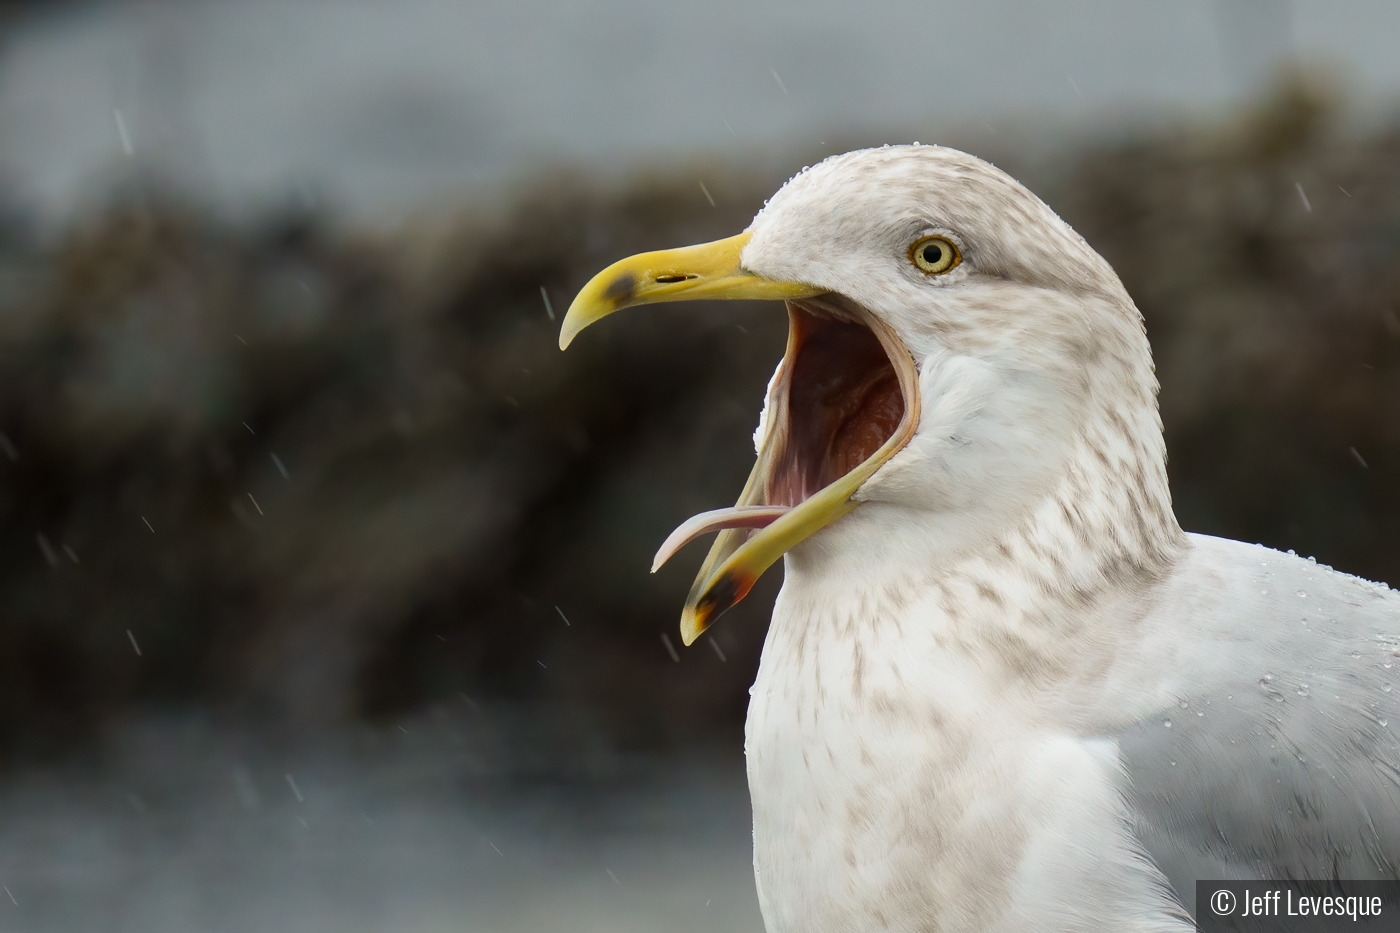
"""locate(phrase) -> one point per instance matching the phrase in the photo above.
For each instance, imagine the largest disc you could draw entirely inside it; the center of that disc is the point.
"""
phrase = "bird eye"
(935, 255)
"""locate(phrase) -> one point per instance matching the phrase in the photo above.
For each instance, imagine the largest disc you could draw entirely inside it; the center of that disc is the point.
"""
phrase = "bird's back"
(1270, 750)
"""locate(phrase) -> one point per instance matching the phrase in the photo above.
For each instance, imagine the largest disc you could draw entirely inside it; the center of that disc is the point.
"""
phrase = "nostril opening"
(672, 278)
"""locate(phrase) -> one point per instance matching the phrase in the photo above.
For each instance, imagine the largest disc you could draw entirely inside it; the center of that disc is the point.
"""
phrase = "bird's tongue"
(737, 516)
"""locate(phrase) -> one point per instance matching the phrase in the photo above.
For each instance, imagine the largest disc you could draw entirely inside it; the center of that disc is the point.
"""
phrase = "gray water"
(185, 827)
(386, 108)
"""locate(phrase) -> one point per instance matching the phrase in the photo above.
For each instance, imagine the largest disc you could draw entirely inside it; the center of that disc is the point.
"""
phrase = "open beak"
(844, 402)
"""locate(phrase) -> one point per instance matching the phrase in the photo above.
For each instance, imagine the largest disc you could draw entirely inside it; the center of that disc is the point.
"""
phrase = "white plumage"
(1008, 692)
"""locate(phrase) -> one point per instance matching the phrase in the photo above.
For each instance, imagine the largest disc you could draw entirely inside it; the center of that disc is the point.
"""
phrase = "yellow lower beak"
(714, 271)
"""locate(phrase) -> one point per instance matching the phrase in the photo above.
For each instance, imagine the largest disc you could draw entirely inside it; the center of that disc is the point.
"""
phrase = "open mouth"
(844, 401)
(836, 400)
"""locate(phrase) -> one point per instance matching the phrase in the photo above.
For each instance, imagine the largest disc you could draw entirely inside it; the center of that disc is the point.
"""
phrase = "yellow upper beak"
(691, 273)
(713, 270)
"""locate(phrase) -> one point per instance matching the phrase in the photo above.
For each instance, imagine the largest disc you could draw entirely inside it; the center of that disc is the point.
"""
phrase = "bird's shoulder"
(1262, 737)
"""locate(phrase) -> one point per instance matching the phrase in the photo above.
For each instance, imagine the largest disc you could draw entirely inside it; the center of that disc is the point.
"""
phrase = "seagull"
(1002, 690)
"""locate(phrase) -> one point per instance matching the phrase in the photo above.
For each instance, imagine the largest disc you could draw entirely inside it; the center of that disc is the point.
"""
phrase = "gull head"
(954, 349)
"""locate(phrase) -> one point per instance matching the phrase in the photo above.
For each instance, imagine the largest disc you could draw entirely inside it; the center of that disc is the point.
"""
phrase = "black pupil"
(933, 253)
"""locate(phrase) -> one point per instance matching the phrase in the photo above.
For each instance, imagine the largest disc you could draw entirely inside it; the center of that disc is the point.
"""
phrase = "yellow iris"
(935, 254)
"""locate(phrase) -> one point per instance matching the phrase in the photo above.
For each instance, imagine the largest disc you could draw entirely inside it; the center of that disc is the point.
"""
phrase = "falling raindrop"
(122, 133)
(296, 791)
(50, 556)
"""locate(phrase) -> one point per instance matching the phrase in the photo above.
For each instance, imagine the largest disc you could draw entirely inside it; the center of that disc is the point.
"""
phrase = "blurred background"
(324, 600)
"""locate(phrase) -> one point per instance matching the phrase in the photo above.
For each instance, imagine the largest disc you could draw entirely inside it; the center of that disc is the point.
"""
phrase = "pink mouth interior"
(836, 401)
(843, 402)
